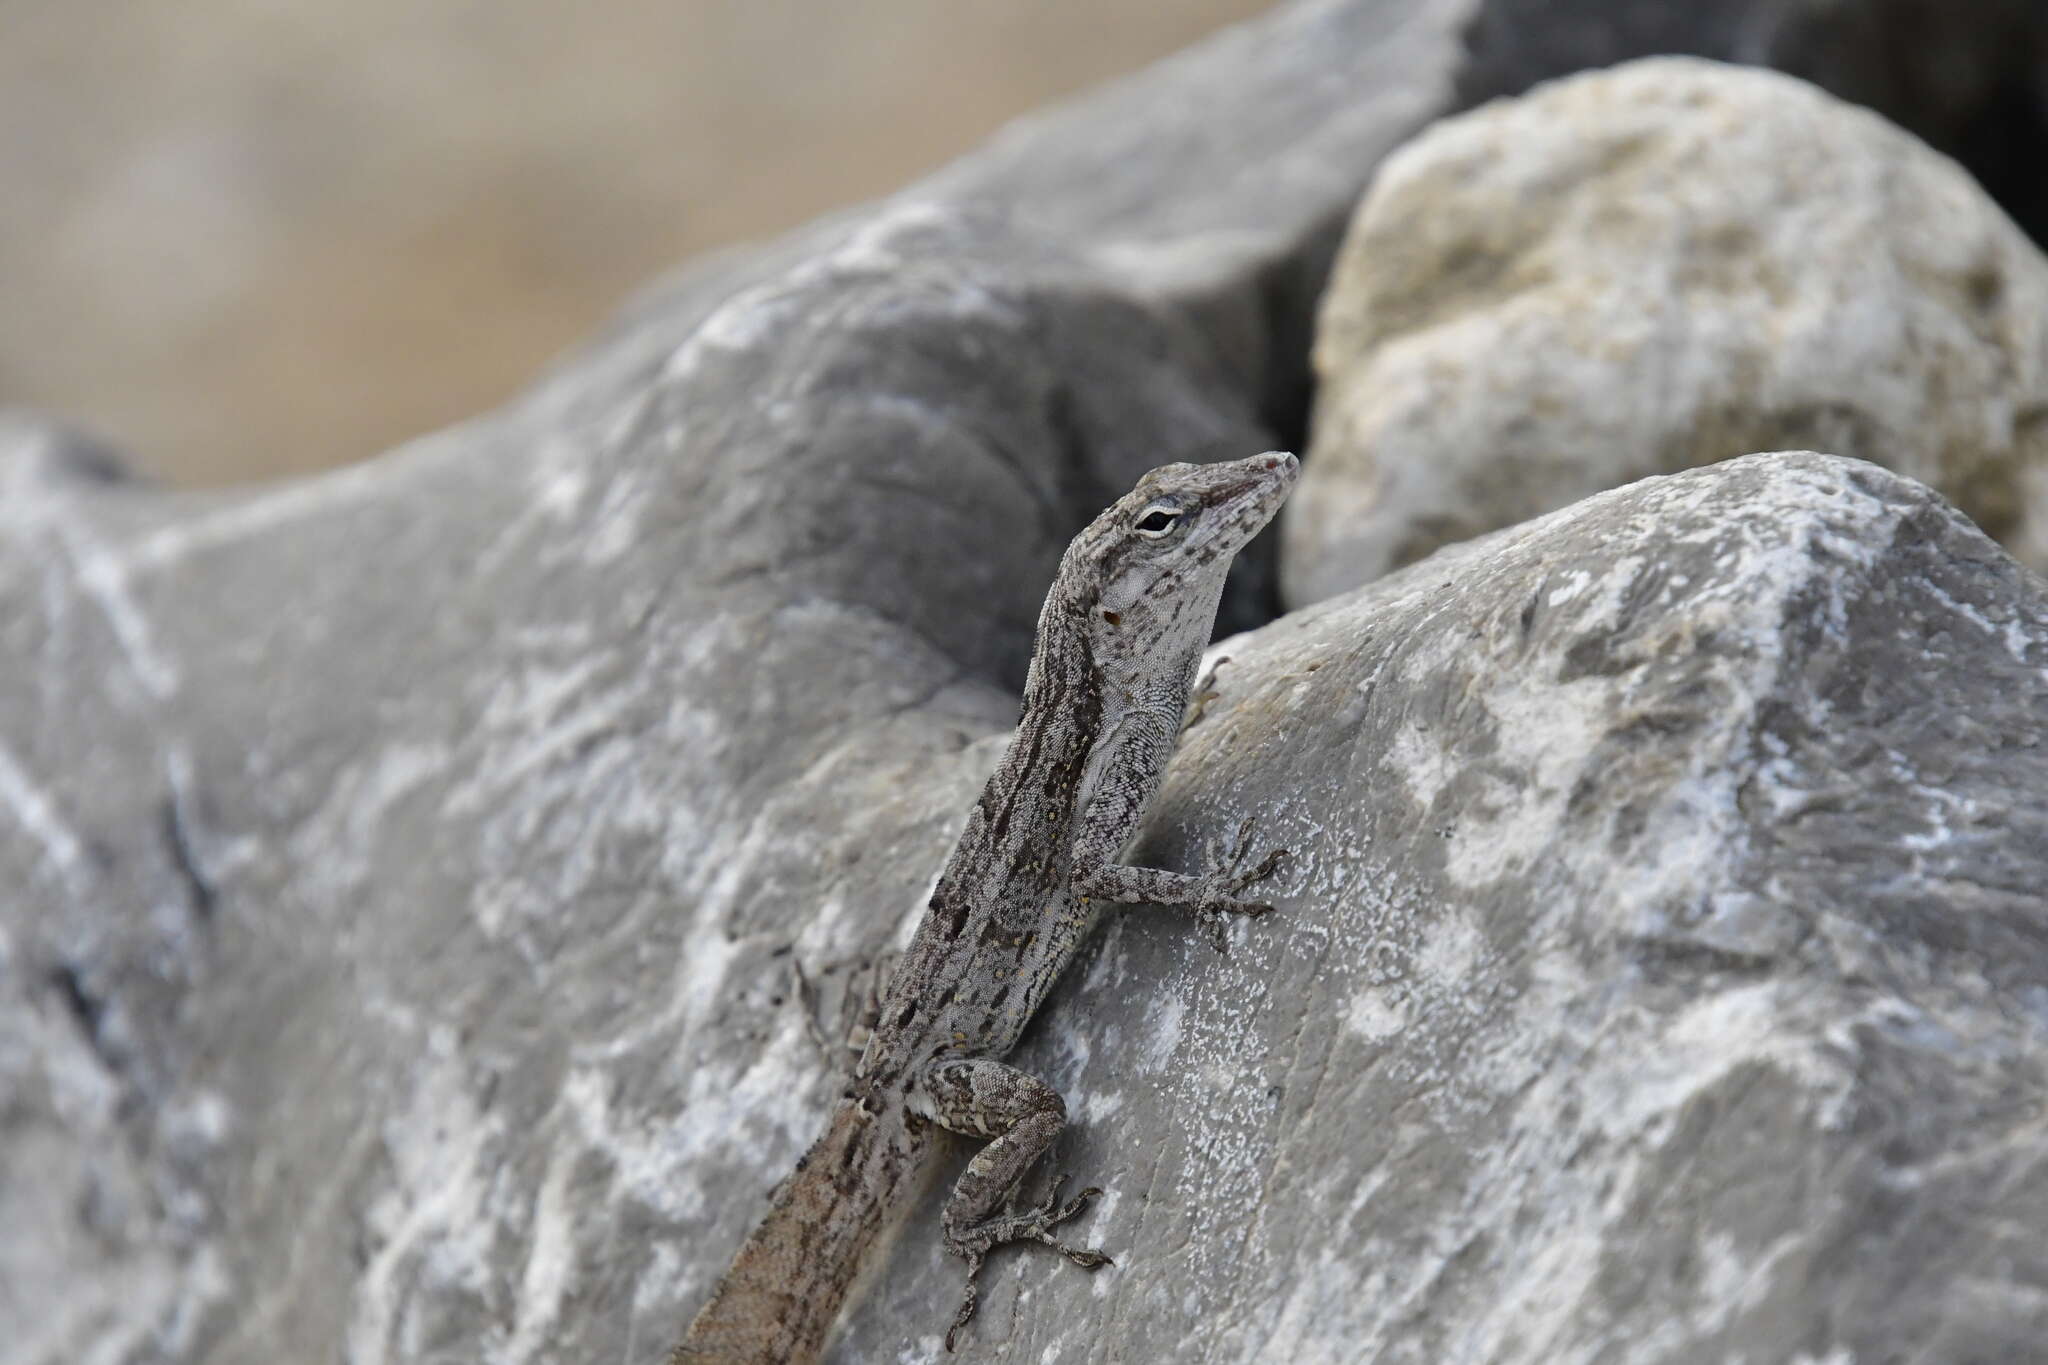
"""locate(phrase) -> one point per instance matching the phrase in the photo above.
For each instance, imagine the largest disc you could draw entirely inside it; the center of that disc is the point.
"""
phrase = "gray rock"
(406, 866)
(1663, 974)
(1656, 266)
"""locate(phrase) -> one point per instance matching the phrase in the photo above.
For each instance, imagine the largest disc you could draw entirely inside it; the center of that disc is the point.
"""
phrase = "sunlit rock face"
(404, 873)
(1656, 266)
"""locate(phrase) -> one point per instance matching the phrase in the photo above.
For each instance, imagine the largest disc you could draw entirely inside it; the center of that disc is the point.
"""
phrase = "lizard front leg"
(1122, 775)
(1211, 894)
(982, 1097)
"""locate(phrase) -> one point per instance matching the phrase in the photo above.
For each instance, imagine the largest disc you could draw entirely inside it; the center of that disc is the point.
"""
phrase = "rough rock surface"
(1663, 975)
(404, 867)
(1652, 267)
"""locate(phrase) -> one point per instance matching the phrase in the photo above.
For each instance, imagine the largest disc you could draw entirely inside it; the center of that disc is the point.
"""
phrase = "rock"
(1653, 267)
(1963, 75)
(1662, 975)
(405, 867)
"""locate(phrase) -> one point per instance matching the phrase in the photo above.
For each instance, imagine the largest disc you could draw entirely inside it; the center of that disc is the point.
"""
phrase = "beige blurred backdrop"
(245, 238)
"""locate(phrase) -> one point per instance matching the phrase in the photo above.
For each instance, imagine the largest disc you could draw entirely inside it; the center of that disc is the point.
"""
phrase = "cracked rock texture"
(405, 868)
(1656, 266)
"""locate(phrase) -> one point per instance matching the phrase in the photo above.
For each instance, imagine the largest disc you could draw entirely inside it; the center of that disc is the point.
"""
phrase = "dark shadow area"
(1969, 77)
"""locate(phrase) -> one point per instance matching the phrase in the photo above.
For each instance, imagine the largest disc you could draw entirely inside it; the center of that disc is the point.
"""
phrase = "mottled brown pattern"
(1118, 642)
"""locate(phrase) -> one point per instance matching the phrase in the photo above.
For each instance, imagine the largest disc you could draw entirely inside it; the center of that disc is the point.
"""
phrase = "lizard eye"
(1157, 522)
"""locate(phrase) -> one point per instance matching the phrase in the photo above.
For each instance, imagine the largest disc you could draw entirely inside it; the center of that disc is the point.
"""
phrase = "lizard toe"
(968, 1303)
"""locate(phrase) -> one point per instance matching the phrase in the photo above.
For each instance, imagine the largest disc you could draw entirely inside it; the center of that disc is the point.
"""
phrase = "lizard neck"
(1064, 673)
(1140, 652)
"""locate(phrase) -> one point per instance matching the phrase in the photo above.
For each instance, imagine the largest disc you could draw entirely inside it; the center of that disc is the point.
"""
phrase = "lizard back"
(1119, 637)
(1002, 902)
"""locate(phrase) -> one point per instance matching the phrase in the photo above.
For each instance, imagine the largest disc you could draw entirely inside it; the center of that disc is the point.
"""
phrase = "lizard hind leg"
(982, 1097)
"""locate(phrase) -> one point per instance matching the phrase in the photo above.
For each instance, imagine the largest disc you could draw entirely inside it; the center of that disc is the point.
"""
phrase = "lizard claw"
(1047, 1218)
(1034, 1224)
(1204, 692)
(1228, 876)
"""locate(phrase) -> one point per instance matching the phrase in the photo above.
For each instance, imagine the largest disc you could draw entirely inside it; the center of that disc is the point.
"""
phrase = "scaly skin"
(1119, 639)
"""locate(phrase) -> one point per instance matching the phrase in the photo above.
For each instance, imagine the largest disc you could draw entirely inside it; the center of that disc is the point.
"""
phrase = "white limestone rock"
(1652, 267)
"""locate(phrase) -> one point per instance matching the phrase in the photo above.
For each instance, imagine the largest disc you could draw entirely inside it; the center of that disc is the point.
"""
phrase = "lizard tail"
(784, 1290)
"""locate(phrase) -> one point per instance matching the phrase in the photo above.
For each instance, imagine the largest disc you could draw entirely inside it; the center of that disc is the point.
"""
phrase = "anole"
(1119, 639)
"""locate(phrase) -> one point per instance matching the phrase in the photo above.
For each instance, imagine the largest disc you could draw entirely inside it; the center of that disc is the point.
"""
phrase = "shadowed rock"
(406, 866)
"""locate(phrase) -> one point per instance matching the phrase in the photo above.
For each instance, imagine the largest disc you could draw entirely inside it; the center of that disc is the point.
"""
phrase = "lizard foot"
(1204, 693)
(859, 1005)
(1228, 875)
(1034, 1224)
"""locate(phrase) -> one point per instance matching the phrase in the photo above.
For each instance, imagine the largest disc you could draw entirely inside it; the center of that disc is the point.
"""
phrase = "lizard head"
(1157, 558)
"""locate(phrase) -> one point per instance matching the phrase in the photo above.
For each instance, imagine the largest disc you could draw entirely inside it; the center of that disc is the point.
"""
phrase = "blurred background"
(248, 238)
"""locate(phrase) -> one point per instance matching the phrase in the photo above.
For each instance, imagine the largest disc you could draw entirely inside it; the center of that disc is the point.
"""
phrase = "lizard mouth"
(1252, 500)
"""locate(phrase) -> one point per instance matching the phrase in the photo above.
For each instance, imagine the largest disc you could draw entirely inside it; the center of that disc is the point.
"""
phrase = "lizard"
(1119, 638)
